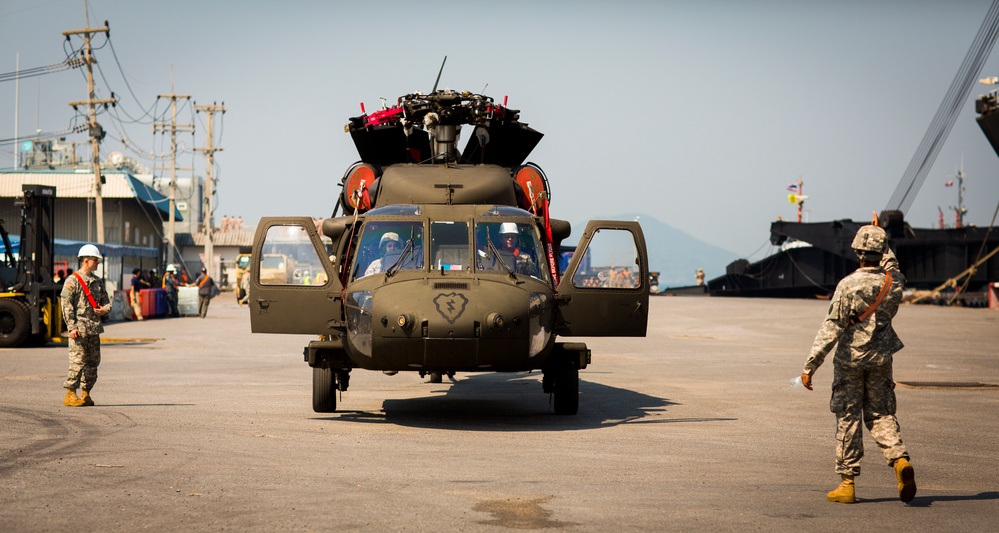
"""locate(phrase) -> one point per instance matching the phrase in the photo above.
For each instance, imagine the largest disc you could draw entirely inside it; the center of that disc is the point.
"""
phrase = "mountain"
(673, 253)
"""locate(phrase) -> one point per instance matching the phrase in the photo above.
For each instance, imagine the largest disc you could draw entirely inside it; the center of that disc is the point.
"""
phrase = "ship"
(958, 265)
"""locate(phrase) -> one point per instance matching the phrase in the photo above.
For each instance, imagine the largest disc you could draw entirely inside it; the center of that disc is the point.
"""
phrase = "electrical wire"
(145, 112)
(46, 135)
(119, 102)
(40, 71)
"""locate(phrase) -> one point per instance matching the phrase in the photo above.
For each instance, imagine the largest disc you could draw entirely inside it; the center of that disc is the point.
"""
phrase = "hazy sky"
(697, 113)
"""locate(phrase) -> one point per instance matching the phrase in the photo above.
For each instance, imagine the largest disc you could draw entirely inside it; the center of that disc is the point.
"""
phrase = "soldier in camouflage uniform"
(510, 242)
(859, 326)
(389, 242)
(83, 322)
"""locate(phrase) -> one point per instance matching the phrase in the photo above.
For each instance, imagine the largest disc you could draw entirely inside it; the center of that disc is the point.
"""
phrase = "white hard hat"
(89, 250)
(507, 228)
(171, 268)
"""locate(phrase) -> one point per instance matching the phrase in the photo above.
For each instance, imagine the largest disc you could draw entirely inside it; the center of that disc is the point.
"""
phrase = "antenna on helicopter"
(441, 71)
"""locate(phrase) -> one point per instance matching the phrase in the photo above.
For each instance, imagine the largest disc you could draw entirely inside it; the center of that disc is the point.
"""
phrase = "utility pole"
(173, 128)
(96, 132)
(17, 89)
(209, 151)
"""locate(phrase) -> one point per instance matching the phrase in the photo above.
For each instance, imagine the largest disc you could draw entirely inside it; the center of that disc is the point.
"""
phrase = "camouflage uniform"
(526, 264)
(863, 388)
(85, 351)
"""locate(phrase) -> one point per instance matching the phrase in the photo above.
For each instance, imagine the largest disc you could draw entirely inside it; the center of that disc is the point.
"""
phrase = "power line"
(40, 71)
(46, 135)
(146, 112)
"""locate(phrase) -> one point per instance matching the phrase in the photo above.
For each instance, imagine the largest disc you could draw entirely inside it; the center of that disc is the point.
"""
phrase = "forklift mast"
(36, 257)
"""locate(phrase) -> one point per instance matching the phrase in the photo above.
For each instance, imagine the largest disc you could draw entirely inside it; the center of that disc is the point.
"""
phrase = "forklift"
(30, 313)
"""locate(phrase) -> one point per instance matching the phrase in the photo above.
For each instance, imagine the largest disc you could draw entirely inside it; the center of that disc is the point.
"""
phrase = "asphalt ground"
(696, 427)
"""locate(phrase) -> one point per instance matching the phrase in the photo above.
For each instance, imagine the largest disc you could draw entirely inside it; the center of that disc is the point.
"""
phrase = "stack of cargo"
(187, 301)
(153, 303)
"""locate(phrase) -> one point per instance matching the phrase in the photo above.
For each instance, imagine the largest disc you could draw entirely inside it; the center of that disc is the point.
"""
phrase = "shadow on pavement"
(515, 402)
(143, 405)
(927, 501)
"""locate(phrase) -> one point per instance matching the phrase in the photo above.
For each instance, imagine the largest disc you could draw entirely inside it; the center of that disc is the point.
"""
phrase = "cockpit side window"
(385, 245)
(509, 247)
(289, 258)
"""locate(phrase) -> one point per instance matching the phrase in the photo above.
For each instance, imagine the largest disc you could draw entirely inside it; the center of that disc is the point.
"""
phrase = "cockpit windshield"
(389, 246)
(495, 244)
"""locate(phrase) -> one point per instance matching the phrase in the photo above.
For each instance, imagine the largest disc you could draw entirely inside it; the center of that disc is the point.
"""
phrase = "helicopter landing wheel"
(324, 390)
(566, 389)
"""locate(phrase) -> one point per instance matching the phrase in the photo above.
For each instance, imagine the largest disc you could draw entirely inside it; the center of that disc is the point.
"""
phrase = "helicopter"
(446, 261)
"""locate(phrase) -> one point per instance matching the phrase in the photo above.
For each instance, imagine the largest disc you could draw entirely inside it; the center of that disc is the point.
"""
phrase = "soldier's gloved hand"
(806, 380)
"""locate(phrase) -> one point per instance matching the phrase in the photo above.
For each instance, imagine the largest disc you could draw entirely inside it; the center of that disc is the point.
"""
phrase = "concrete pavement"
(693, 428)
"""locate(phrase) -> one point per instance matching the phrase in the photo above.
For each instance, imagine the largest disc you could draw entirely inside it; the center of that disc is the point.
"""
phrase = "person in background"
(206, 288)
(133, 294)
(154, 279)
(170, 285)
(223, 273)
(84, 302)
(245, 287)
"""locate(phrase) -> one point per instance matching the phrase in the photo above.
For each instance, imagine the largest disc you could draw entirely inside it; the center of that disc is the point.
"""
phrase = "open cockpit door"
(293, 285)
(604, 292)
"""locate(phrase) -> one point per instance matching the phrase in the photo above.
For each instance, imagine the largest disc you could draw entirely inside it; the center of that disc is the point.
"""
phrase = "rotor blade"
(441, 71)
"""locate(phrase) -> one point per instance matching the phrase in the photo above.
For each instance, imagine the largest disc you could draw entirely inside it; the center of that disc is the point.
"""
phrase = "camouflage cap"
(871, 239)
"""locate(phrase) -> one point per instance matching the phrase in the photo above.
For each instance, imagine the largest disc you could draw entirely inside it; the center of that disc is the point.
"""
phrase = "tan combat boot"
(72, 400)
(844, 493)
(86, 399)
(906, 479)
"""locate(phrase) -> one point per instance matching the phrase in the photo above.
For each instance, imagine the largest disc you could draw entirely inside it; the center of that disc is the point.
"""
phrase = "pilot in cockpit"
(387, 244)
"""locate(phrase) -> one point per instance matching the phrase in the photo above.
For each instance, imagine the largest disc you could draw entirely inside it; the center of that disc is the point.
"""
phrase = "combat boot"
(906, 479)
(86, 399)
(72, 400)
(844, 493)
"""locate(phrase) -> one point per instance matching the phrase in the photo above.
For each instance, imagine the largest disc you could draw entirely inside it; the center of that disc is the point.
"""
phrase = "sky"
(696, 113)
